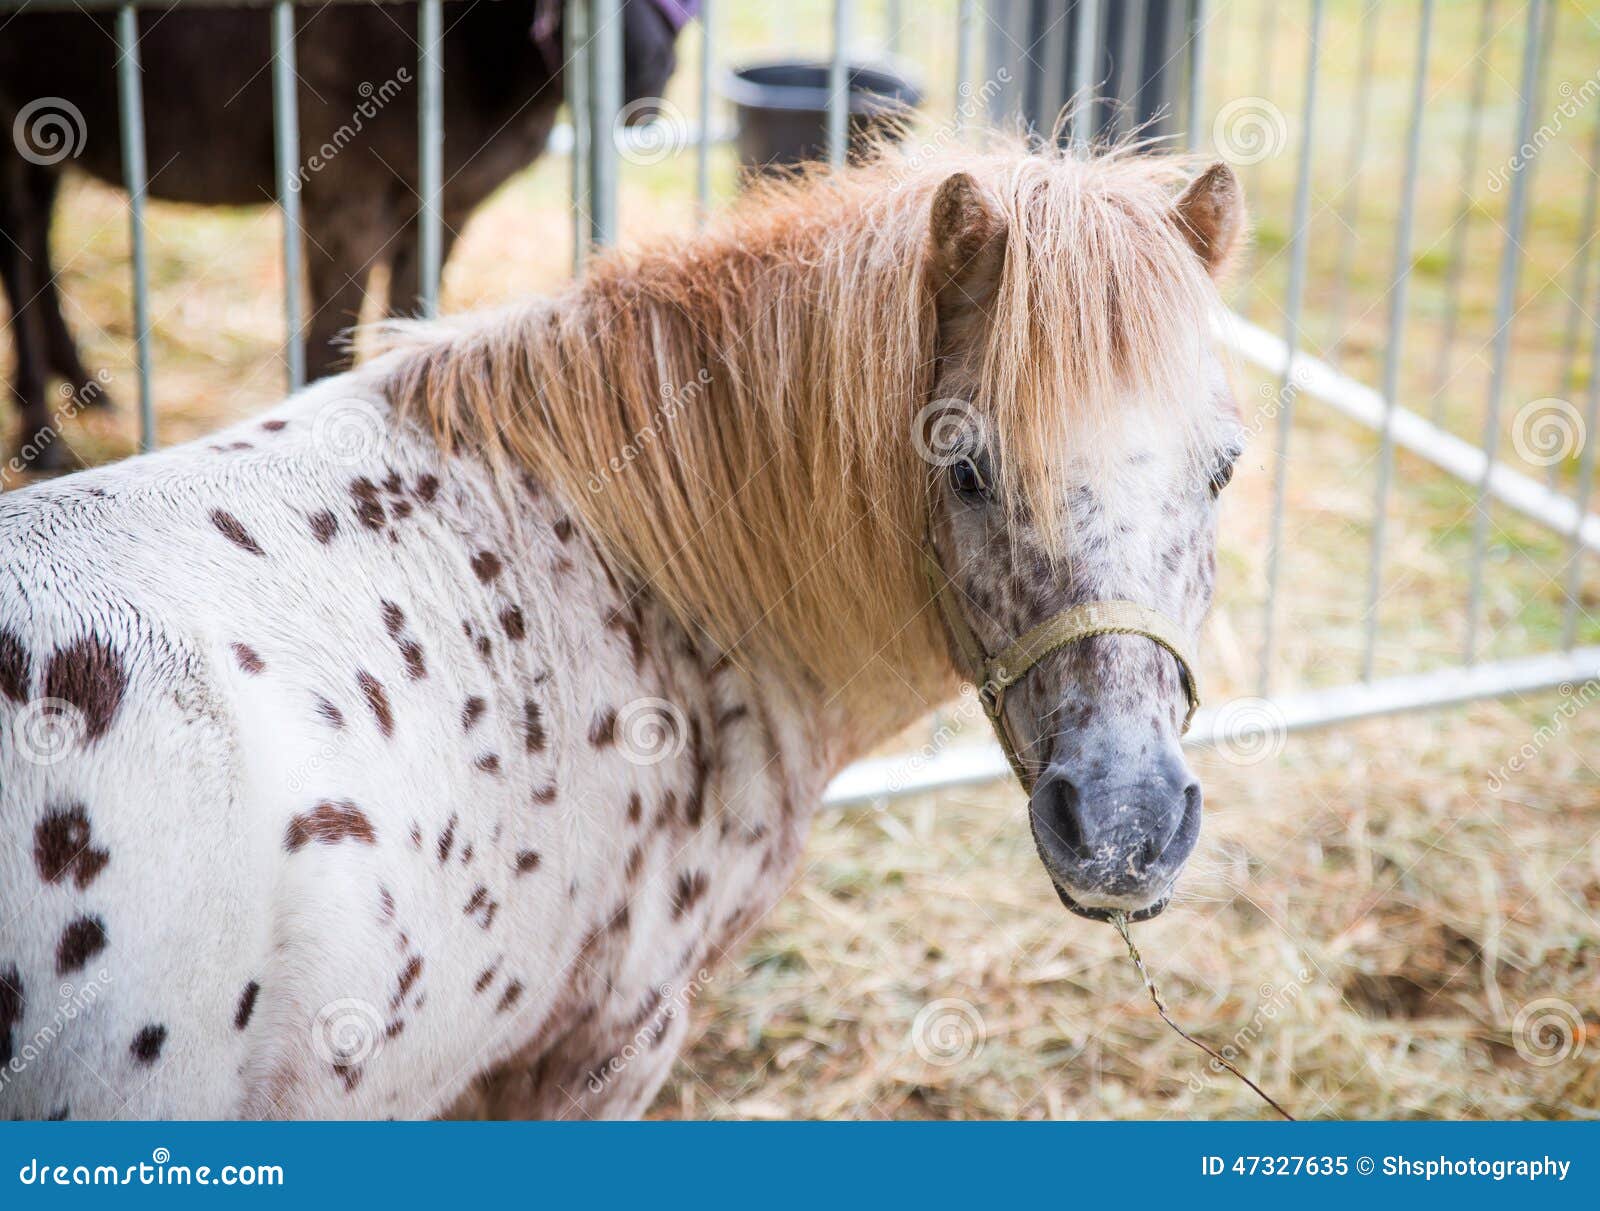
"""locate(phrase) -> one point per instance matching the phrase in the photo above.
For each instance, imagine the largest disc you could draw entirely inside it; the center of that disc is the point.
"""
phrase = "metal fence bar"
(965, 20)
(1576, 551)
(1396, 338)
(1580, 280)
(839, 84)
(430, 151)
(1084, 84)
(1350, 196)
(605, 103)
(1315, 379)
(1195, 102)
(1458, 230)
(1286, 387)
(880, 778)
(286, 146)
(576, 51)
(130, 117)
(1505, 311)
(1130, 65)
(702, 150)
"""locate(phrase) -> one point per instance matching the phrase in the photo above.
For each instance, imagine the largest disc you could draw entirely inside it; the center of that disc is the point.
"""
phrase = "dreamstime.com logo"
(157, 1171)
(948, 1032)
(1272, 1000)
(1547, 431)
(1547, 1031)
(1250, 730)
(48, 130)
(1248, 130)
(668, 1004)
(650, 130)
(73, 1000)
(1574, 699)
(649, 731)
(74, 399)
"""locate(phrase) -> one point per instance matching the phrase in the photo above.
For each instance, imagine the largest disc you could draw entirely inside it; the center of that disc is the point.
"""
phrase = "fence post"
(130, 114)
(286, 146)
(430, 150)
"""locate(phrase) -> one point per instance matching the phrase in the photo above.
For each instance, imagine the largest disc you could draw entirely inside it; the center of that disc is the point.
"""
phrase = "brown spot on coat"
(427, 488)
(394, 618)
(273, 426)
(416, 666)
(330, 713)
(509, 997)
(377, 699)
(603, 730)
(146, 1045)
(486, 976)
(328, 824)
(14, 670)
(700, 773)
(527, 860)
(488, 763)
(324, 525)
(447, 840)
(471, 711)
(81, 940)
(233, 530)
(88, 675)
(635, 807)
(11, 1003)
(545, 794)
(61, 847)
(563, 528)
(409, 975)
(512, 622)
(249, 659)
(687, 891)
(369, 510)
(247, 1005)
(487, 565)
(533, 735)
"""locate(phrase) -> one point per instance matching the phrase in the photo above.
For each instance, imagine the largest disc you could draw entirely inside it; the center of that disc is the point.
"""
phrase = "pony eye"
(1221, 476)
(967, 480)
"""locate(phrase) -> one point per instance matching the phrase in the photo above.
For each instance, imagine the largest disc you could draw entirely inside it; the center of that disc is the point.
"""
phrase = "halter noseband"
(994, 675)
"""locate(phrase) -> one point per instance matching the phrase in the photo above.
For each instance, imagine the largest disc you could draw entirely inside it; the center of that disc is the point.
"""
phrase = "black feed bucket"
(782, 109)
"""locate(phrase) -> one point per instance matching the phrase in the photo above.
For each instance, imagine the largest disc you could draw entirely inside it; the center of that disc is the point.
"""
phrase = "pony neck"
(731, 420)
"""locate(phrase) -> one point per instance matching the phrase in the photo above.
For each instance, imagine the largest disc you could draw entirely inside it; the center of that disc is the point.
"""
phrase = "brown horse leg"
(342, 243)
(39, 444)
(61, 349)
(405, 274)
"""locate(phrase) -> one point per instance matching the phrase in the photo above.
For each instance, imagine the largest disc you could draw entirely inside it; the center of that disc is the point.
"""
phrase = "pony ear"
(1210, 213)
(967, 247)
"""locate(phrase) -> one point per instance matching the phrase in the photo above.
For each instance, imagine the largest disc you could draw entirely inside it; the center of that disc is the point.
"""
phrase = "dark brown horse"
(207, 90)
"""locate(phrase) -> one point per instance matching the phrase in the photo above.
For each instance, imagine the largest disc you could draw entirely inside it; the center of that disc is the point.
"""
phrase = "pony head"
(1002, 355)
(1079, 432)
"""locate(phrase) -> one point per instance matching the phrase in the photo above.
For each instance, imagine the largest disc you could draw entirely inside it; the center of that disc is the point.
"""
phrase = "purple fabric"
(677, 12)
(547, 23)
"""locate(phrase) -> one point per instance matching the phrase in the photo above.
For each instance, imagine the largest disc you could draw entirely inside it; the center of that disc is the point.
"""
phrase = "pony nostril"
(1064, 815)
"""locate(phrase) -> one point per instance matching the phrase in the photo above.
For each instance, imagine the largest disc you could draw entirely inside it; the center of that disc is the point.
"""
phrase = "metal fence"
(1078, 67)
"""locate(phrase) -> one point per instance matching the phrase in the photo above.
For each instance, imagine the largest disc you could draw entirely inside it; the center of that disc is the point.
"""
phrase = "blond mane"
(732, 411)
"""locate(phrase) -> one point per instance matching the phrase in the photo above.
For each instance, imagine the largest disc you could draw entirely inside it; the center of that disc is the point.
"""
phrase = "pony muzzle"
(1115, 846)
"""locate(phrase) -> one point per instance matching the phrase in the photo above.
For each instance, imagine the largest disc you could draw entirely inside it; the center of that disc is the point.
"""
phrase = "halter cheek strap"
(994, 675)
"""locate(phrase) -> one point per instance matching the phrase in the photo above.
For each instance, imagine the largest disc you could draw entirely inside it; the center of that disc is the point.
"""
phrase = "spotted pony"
(421, 746)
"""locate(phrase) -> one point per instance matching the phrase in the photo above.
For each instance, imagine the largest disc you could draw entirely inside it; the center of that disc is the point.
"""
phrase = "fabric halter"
(994, 675)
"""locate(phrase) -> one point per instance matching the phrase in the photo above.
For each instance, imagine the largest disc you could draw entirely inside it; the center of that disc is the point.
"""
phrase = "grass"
(1373, 906)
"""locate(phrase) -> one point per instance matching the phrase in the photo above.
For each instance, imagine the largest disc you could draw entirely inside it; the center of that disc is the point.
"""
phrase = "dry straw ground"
(1398, 918)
